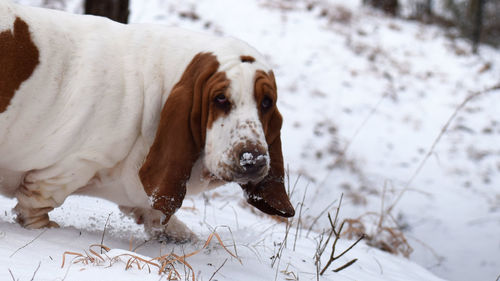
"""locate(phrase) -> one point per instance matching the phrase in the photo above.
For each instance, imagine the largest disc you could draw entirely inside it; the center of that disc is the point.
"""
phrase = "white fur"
(85, 119)
(241, 125)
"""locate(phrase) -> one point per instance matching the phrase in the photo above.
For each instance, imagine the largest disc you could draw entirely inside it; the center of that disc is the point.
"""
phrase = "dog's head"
(226, 115)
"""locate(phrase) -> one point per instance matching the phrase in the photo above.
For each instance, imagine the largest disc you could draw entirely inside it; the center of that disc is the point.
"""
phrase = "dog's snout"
(252, 162)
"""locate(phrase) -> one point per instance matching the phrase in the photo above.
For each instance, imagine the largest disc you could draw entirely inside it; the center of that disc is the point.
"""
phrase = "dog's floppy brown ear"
(270, 195)
(179, 138)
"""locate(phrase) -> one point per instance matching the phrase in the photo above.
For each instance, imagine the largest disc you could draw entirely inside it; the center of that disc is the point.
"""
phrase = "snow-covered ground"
(364, 98)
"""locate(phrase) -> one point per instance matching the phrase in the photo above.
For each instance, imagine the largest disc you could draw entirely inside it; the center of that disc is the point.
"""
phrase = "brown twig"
(25, 245)
(218, 270)
(345, 265)
(334, 258)
(336, 232)
(104, 230)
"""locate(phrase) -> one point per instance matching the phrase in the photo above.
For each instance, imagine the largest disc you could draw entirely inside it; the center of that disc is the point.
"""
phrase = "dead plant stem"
(299, 220)
(217, 270)
(25, 245)
(12, 275)
(436, 141)
(36, 270)
(104, 230)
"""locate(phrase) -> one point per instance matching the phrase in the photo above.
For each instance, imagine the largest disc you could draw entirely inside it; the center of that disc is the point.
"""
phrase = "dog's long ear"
(179, 138)
(270, 195)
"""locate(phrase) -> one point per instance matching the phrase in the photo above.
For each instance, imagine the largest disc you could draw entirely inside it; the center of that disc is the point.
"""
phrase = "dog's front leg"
(174, 231)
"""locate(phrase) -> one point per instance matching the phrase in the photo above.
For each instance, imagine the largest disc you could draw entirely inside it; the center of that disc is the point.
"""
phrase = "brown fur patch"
(18, 59)
(218, 84)
(269, 195)
(181, 133)
(265, 86)
(248, 59)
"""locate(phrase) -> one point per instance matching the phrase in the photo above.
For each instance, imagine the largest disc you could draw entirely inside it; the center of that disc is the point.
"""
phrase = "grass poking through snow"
(165, 264)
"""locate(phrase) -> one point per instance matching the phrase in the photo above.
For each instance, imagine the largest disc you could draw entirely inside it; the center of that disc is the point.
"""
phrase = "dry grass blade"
(277, 256)
(12, 275)
(72, 254)
(36, 270)
(104, 230)
(208, 242)
(299, 220)
(100, 246)
(318, 217)
(96, 254)
(25, 245)
(342, 154)
(165, 263)
(437, 139)
(211, 277)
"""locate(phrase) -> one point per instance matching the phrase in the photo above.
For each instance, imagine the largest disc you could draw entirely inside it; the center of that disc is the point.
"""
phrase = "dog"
(140, 115)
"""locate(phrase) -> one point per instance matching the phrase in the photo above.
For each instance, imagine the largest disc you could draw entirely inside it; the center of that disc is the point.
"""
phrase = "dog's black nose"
(252, 162)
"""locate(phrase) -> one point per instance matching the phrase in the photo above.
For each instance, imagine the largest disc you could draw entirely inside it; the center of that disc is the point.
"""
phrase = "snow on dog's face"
(228, 117)
(235, 147)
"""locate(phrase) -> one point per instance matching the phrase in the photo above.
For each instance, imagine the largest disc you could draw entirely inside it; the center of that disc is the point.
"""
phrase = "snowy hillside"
(366, 100)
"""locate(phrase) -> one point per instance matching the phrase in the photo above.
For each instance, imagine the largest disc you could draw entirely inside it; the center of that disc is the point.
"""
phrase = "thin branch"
(333, 225)
(321, 249)
(218, 270)
(350, 247)
(22, 247)
(317, 218)
(36, 270)
(332, 258)
(299, 220)
(342, 154)
(140, 245)
(436, 141)
(277, 256)
(345, 265)
(381, 220)
(104, 230)
(12, 275)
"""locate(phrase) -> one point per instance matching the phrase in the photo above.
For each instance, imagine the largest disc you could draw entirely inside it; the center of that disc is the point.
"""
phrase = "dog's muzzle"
(253, 164)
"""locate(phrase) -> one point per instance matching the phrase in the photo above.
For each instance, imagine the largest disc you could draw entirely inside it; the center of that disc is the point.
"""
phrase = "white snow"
(352, 83)
(248, 159)
(256, 239)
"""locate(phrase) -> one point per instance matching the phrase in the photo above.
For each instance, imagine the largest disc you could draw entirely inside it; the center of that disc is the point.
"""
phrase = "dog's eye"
(266, 103)
(221, 100)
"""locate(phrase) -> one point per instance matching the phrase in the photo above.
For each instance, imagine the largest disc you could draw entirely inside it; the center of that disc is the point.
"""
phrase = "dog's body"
(136, 114)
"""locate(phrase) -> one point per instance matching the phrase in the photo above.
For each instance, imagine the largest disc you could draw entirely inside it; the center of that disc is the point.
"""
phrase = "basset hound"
(140, 115)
